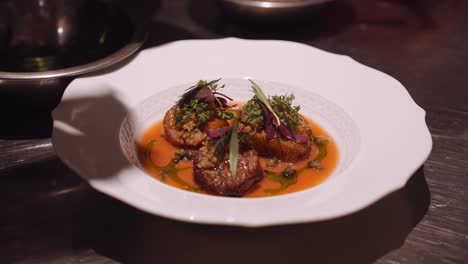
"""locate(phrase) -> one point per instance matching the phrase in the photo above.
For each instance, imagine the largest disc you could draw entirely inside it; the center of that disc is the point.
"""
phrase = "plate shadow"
(90, 126)
(131, 236)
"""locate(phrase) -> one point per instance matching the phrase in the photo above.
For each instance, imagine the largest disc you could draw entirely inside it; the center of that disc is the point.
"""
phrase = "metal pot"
(270, 10)
(44, 44)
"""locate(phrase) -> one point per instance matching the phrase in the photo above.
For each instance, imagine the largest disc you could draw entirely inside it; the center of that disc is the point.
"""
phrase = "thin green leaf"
(203, 83)
(234, 150)
(148, 149)
(284, 182)
(322, 147)
(170, 170)
(264, 99)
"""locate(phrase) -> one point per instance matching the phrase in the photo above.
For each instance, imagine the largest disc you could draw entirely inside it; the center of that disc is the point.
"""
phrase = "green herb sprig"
(264, 99)
(234, 150)
(190, 92)
(252, 113)
(194, 110)
(287, 113)
(224, 115)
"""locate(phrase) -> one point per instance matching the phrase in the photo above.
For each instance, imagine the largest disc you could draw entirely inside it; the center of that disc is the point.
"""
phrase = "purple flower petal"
(219, 131)
(223, 95)
(222, 102)
(185, 99)
(205, 94)
(285, 131)
(301, 138)
(269, 128)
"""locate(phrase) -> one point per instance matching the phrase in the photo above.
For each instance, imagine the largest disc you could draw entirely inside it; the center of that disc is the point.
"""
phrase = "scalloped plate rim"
(115, 192)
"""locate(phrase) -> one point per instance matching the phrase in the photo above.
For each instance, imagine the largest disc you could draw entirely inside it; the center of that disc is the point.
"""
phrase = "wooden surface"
(49, 215)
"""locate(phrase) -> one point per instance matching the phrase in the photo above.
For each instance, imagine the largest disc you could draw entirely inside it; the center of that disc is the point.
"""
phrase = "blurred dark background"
(49, 215)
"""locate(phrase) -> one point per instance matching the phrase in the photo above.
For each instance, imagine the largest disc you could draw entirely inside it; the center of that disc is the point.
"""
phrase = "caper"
(183, 154)
(289, 173)
(315, 164)
(321, 140)
(272, 163)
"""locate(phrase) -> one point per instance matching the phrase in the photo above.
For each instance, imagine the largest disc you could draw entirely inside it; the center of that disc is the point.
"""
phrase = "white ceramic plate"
(381, 133)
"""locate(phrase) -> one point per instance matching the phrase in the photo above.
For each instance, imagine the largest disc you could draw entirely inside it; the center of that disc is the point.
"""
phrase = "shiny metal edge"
(274, 4)
(138, 38)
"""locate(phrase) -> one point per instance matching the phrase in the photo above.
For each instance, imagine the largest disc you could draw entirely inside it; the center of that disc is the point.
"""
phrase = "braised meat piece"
(215, 176)
(279, 147)
(200, 109)
(187, 134)
(274, 128)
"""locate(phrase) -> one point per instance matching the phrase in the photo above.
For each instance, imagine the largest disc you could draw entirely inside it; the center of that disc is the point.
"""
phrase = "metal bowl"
(44, 44)
(272, 10)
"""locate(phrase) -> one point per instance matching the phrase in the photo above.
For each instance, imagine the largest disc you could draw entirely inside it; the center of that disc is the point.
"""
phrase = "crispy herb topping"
(253, 113)
(289, 114)
(275, 114)
(195, 110)
(221, 113)
(203, 102)
(265, 102)
(192, 91)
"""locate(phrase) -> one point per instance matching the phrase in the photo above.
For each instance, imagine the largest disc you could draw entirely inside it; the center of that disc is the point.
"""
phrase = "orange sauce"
(163, 152)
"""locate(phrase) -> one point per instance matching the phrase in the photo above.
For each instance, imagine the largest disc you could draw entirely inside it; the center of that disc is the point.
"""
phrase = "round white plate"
(381, 133)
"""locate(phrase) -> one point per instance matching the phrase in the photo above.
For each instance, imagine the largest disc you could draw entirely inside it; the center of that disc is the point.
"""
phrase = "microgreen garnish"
(206, 92)
(252, 113)
(288, 113)
(273, 109)
(225, 115)
(264, 100)
(192, 91)
(200, 101)
(234, 150)
(194, 110)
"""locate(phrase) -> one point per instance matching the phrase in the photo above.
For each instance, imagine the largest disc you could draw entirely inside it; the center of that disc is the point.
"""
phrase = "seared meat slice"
(215, 177)
(278, 147)
(188, 135)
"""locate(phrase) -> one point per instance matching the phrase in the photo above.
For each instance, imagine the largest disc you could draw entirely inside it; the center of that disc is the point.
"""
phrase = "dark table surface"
(49, 215)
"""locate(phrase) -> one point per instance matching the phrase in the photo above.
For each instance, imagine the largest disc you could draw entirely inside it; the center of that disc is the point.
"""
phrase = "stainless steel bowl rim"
(126, 51)
(277, 4)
